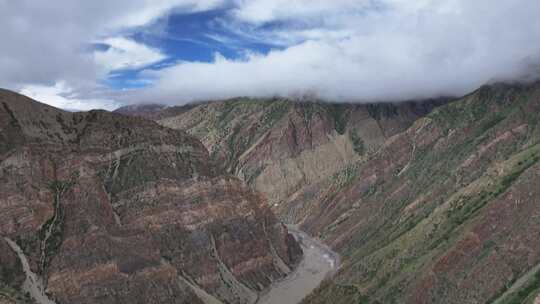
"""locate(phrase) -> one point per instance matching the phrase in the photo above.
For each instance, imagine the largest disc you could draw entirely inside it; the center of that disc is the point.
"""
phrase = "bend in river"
(319, 262)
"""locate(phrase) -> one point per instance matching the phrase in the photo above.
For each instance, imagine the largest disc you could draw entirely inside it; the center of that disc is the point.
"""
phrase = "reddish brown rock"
(281, 146)
(116, 209)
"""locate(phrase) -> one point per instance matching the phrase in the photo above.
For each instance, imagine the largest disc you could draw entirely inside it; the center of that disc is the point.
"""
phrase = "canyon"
(432, 202)
(275, 200)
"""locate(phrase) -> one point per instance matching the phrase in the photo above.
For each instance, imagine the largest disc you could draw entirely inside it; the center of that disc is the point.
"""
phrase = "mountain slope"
(280, 146)
(446, 212)
(435, 209)
(103, 204)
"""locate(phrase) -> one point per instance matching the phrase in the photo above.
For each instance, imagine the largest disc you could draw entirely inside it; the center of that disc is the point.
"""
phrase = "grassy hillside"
(446, 212)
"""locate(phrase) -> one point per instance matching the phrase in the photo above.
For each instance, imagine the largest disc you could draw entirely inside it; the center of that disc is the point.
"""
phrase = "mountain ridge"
(102, 203)
(425, 203)
(410, 214)
(267, 142)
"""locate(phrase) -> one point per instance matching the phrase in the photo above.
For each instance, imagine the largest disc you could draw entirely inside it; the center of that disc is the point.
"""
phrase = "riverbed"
(318, 263)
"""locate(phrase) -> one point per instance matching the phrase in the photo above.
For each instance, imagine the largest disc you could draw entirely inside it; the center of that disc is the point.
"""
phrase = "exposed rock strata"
(280, 146)
(435, 209)
(116, 209)
(446, 212)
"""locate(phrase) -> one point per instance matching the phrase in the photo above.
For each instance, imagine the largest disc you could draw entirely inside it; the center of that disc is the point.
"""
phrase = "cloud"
(364, 50)
(263, 11)
(353, 50)
(61, 96)
(145, 11)
(126, 54)
(46, 42)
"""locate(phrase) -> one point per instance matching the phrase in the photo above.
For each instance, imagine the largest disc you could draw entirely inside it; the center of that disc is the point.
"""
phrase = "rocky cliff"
(280, 146)
(115, 209)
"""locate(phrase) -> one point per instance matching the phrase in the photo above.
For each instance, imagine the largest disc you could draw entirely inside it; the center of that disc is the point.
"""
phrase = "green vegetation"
(231, 123)
(51, 233)
(251, 176)
(13, 120)
(382, 110)
(309, 109)
(358, 144)
(13, 295)
(11, 275)
(236, 144)
(490, 123)
(487, 248)
(346, 176)
(340, 115)
(330, 292)
(274, 112)
(478, 147)
(522, 296)
(467, 206)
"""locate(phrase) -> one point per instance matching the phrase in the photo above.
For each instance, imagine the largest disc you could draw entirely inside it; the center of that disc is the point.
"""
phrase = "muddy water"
(318, 263)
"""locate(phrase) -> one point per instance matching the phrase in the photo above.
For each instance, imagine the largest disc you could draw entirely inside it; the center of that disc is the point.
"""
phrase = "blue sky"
(81, 54)
(191, 37)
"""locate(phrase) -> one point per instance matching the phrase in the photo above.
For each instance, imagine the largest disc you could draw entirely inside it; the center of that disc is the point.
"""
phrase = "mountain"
(446, 212)
(434, 202)
(106, 208)
(142, 110)
(280, 146)
(426, 202)
(149, 111)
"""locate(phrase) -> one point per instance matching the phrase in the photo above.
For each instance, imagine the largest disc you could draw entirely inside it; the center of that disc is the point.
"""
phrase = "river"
(318, 262)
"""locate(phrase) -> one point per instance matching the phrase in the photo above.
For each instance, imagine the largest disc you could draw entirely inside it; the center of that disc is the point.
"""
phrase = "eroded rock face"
(116, 209)
(281, 146)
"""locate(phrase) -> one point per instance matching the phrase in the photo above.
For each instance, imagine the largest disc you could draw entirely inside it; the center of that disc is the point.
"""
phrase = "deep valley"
(418, 202)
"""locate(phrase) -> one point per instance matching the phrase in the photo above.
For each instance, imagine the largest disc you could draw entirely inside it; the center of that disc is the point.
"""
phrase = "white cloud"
(361, 50)
(126, 54)
(61, 96)
(270, 10)
(146, 11)
(45, 42)
(366, 50)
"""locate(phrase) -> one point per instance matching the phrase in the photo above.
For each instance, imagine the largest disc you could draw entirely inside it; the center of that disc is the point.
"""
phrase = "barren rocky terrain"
(279, 146)
(114, 209)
